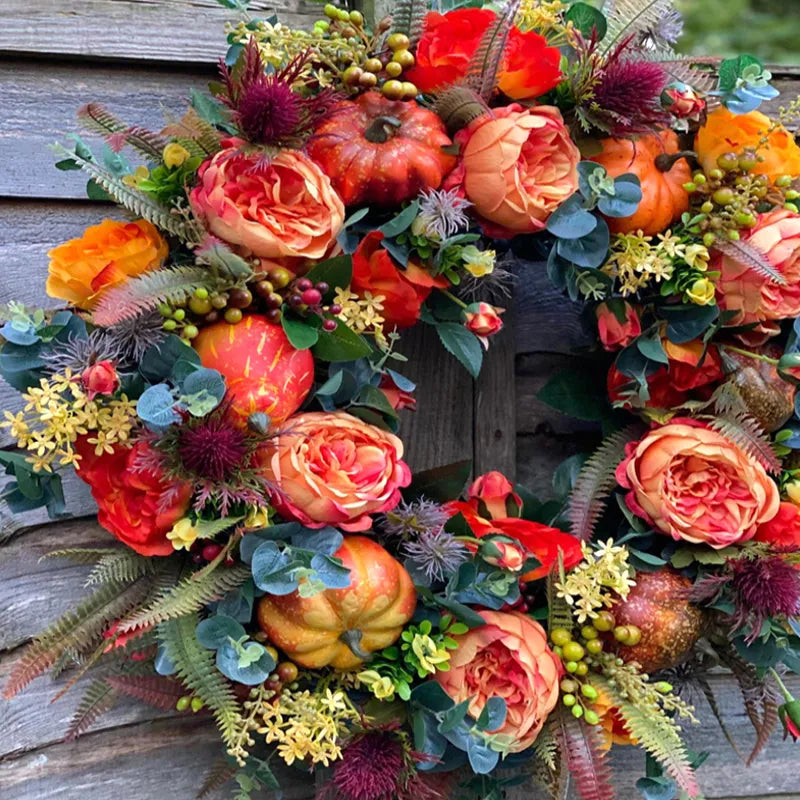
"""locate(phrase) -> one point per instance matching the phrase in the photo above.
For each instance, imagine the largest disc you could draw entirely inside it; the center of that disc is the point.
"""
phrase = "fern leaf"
(119, 566)
(188, 596)
(98, 118)
(144, 293)
(747, 434)
(78, 630)
(747, 255)
(595, 483)
(221, 772)
(197, 135)
(630, 17)
(139, 204)
(198, 672)
(82, 555)
(545, 748)
(96, 701)
(708, 693)
(582, 747)
(481, 74)
(154, 690)
(659, 735)
(408, 17)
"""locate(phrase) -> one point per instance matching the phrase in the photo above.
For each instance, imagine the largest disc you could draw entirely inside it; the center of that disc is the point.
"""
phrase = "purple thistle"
(371, 768)
(409, 520)
(437, 554)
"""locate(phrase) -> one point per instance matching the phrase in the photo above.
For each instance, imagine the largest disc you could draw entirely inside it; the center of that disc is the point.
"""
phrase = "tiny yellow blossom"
(793, 491)
(430, 656)
(141, 173)
(697, 256)
(478, 263)
(381, 686)
(183, 534)
(257, 517)
(175, 154)
(701, 292)
(360, 314)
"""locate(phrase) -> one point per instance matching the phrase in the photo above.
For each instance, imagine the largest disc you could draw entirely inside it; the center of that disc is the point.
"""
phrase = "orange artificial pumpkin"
(340, 627)
(661, 168)
(381, 152)
(263, 372)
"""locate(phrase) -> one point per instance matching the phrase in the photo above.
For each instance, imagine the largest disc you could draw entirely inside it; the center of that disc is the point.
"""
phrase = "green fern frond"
(82, 555)
(78, 631)
(120, 566)
(545, 748)
(97, 117)
(188, 596)
(154, 690)
(746, 433)
(99, 698)
(581, 745)
(209, 528)
(139, 204)
(481, 74)
(595, 483)
(147, 291)
(196, 668)
(559, 613)
(658, 734)
(221, 772)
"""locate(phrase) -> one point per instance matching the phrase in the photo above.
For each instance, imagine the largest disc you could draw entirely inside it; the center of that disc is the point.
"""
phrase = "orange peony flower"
(275, 208)
(695, 485)
(756, 298)
(531, 68)
(612, 725)
(507, 657)
(106, 255)
(517, 165)
(726, 132)
(403, 291)
(135, 504)
(334, 469)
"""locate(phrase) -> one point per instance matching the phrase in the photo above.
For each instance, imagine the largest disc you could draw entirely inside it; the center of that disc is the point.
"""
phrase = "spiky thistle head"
(268, 109)
(133, 336)
(372, 767)
(436, 555)
(78, 353)
(443, 213)
(410, 519)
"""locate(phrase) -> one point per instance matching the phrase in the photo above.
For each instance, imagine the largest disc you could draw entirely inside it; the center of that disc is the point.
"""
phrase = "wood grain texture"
(179, 31)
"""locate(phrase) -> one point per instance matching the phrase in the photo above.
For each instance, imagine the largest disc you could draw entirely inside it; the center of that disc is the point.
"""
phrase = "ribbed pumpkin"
(662, 170)
(340, 627)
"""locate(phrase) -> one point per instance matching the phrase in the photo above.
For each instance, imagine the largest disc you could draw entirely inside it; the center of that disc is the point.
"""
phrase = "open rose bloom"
(694, 485)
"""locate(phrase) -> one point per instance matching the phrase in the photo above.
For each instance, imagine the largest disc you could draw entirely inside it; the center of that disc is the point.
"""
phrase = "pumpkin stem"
(381, 129)
(666, 161)
(352, 638)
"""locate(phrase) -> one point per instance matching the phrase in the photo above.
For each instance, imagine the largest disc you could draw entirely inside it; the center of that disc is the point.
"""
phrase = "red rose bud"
(497, 494)
(484, 321)
(682, 102)
(503, 554)
(100, 378)
(618, 324)
(789, 714)
(789, 367)
(398, 398)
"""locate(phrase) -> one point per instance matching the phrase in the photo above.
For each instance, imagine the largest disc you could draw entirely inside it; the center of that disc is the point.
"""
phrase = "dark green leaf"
(574, 393)
(440, 484)
(343, 344)
(400, 222)
(336, 272)
(462, 344)
(301, 335)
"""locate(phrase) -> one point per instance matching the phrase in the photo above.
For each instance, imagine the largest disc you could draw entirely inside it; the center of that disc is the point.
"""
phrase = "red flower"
(783, 530)
(398, 398)
(531, 68)
(618, 324)
(136, 505)
(493, 494)
(100, 378)
(447, 44)
(404, 291)
(484, 321)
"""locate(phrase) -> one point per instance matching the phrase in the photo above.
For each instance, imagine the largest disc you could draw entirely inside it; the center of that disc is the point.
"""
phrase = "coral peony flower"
(448, 42)
(695, 485)
(403, 291)
(692, 373)
(334, 469)
(507, 657)
(757, 298)
(484, 321)
(531, 68)
(100, 378)
(135, 502)
(106, 255)
(279, 206)
(783, 530)
(726, 132)
(516, 166)
(618, 324)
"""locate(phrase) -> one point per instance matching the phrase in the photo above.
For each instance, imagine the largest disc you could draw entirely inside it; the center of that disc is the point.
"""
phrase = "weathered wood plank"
(182, 31)
(40, 105)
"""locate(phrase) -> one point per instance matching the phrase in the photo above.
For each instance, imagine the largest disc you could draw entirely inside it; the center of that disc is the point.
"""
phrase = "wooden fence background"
(141, 57)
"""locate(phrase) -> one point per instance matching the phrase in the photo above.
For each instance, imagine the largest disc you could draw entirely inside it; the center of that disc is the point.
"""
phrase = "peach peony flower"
(756, 298)
(334, 469)
(281, 207)
(106, 255)
(507, 657)
(695, 485)
(726, 132)
(517, 166)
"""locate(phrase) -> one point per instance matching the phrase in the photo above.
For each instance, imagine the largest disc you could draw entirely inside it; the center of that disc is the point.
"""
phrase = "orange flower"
(507, 657)
(783, 530)
(403, 291)
(106, 255)
(517, 166)
(334, 469)
(612, 725)
(484, 321)
(277, 207)
(726, 132)
(531, 68)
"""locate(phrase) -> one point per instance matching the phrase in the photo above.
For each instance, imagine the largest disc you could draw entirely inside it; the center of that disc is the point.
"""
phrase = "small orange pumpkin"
(661, 168)
(341, 627)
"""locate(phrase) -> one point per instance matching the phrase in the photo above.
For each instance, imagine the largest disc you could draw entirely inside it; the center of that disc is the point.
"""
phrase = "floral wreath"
(224, 375)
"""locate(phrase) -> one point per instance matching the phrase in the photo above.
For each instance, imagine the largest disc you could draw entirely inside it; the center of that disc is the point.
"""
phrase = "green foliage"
(196, 669)
(98, 698)
(189, 596)
(119, 566)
